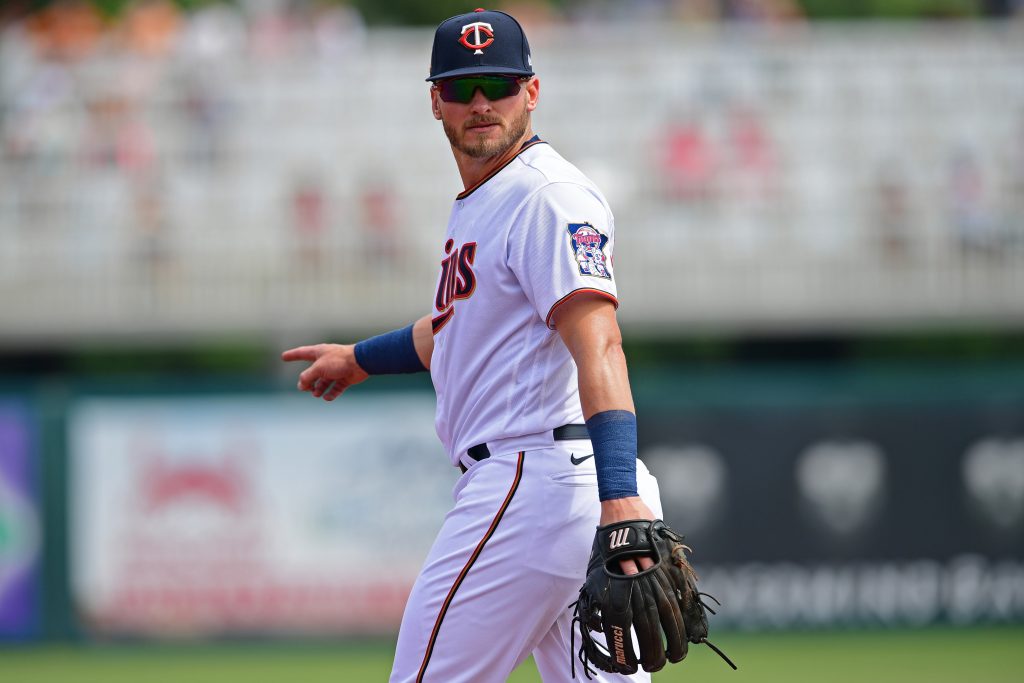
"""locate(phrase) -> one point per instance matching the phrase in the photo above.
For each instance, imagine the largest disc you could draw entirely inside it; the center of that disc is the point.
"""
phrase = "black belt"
(564, 433)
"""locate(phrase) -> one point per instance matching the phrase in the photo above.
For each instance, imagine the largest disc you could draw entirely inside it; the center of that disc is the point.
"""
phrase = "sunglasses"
(493, 87)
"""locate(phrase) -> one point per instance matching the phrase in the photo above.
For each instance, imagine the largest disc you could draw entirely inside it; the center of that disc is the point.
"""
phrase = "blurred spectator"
(309, 221)
(532, 14)
(149, 241)
(40, 131)
(750, 156)
(1014, 192)
(891, 215)
(337, 31)
(206, 117)
(746, 178)
(764, 11)
(11, 10)
(379, 222)
(696, 11)
(117, 135)
(213, 33)
(975, 226)
(271, 26)
(151, 28)
(68, 30)
(687, 162)
(605, 11)
(40, 126)
(699, 11)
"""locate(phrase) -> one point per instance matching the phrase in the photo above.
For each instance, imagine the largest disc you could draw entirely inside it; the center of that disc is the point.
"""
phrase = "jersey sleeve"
(560, 246)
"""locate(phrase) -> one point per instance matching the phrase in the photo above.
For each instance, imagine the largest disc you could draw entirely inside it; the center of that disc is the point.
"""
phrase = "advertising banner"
(242, 515)
(20, 529)
(870, 514)
(273, 515)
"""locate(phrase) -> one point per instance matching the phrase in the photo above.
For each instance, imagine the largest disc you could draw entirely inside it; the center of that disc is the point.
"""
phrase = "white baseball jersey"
(531, 235)
(511, 554)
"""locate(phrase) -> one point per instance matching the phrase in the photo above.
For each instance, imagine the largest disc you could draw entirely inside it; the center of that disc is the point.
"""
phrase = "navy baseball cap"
(480, 42)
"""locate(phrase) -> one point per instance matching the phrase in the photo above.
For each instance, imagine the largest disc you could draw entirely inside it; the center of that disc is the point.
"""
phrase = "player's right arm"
(335, 367)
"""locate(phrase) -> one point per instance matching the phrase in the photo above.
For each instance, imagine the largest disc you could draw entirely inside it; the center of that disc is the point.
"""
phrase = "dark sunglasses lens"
(462, 89)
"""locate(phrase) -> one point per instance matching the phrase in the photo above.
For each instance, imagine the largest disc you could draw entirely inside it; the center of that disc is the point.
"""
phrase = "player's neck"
(473, 170)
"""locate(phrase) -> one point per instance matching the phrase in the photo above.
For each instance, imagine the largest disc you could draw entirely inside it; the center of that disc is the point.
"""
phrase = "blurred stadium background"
(820, 206)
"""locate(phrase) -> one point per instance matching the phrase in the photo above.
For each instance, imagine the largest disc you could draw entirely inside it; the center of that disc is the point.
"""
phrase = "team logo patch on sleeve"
(588, 248)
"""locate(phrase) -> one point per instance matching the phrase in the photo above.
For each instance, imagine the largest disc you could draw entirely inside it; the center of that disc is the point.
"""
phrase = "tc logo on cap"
(476, 43)
(467, 45)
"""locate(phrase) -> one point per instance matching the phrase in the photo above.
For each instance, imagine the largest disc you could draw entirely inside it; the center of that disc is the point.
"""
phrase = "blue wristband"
(613, 436)
(391, 353)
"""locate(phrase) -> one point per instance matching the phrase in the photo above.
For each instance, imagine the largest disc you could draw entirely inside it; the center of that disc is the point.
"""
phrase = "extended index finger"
(300, 353)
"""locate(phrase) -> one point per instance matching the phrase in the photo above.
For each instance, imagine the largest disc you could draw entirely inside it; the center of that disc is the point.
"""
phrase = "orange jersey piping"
(581, 290)
(468, 191)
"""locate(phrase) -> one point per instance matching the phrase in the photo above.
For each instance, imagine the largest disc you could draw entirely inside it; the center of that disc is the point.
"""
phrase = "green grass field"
(932, 656)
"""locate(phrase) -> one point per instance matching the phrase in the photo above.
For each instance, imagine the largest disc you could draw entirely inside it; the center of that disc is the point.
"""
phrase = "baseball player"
(533, 399)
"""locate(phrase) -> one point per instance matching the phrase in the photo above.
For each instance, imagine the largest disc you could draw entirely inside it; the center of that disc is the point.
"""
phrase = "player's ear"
(435, 103)
(532, 93)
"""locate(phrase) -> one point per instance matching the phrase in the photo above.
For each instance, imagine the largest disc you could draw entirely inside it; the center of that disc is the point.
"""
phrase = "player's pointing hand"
(334, 369)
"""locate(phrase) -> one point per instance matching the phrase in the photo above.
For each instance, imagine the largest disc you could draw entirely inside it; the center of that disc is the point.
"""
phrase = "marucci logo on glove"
(618, 538)
(618, 640)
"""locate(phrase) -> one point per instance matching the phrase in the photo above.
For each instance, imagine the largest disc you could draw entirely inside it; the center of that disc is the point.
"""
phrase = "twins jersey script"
(527, 238)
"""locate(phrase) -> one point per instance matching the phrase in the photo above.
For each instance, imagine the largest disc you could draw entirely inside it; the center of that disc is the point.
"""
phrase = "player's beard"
(484, 148)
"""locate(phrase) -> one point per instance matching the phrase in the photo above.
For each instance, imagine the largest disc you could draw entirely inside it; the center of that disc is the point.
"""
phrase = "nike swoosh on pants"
(577, 461)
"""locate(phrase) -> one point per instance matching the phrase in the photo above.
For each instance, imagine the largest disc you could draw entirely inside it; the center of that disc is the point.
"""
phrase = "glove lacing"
(585, 639)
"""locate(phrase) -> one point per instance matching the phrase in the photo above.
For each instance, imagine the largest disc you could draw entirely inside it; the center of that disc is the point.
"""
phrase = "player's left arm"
(587, 326)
